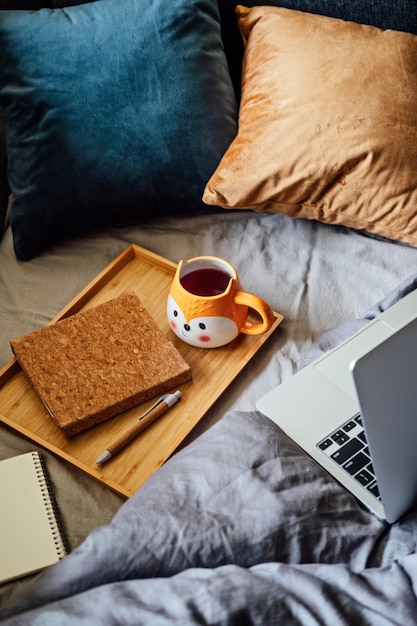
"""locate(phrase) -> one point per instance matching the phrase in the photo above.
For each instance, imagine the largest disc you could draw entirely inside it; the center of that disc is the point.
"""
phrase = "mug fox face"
(207, 306)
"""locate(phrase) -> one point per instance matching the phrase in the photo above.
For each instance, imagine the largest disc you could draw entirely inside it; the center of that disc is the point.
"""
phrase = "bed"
(239, 525)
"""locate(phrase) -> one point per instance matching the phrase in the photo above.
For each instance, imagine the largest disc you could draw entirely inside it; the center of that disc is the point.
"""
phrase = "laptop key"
(325, 444)
(362, 436)
(346, 451)
(364, 477)
(356, 463)
(374, 490)
(340, 437)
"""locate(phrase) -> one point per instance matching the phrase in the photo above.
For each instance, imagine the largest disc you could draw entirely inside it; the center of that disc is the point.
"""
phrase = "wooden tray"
(149, 276)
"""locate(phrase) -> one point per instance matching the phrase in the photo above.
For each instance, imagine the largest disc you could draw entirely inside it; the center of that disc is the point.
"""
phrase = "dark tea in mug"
(207, 281)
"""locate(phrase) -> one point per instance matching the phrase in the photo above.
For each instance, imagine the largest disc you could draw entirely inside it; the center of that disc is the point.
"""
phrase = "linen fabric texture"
(327, 124)
(117, 111)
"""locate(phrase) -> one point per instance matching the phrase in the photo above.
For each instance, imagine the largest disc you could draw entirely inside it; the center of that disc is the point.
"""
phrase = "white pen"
(156, 410)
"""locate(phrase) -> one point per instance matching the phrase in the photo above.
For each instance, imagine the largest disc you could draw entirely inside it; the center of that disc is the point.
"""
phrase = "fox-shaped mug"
(207, 306)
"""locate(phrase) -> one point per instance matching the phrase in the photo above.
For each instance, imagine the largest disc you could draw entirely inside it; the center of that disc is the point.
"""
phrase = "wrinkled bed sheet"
(241, 526)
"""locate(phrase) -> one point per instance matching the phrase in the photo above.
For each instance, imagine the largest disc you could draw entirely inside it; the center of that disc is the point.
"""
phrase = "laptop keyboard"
(348, 447)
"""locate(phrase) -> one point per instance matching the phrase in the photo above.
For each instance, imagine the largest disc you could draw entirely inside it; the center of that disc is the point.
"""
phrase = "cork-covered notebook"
(100, 362)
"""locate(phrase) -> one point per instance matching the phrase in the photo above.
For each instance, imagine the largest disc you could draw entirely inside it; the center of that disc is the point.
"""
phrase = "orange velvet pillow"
(327, 125)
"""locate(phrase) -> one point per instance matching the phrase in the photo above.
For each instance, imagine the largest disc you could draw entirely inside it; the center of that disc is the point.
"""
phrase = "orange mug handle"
(261, 307)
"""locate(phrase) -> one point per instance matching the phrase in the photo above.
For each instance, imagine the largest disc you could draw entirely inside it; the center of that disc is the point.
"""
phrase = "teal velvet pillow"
(117, 111)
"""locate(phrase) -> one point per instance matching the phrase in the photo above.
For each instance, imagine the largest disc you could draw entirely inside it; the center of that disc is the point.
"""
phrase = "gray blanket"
(240, 527)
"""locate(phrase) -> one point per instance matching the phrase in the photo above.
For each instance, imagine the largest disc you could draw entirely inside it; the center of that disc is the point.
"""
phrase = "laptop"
(354, 410)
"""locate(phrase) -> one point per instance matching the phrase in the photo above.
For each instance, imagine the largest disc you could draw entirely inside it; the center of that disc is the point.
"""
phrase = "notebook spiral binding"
(51, 506)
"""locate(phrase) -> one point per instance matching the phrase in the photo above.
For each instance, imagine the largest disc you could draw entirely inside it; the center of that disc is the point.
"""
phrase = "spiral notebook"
(31, 535)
